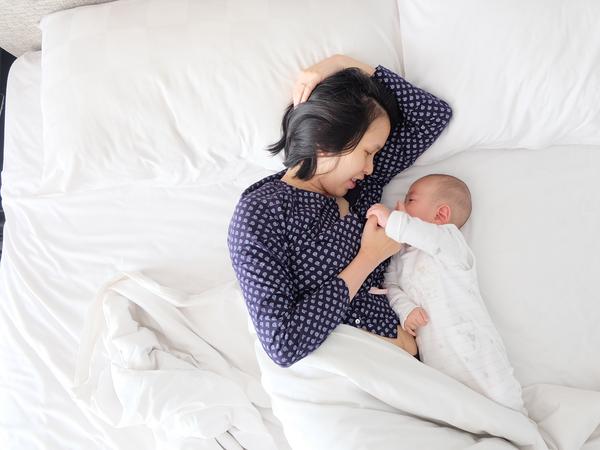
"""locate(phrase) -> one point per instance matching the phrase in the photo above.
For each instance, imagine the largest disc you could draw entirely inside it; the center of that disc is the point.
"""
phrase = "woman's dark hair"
(333, 119)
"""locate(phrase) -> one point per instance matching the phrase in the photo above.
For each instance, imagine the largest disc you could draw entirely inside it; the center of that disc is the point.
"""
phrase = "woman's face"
(335, 175)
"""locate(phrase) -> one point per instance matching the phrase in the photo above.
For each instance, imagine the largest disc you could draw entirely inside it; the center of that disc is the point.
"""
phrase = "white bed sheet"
(57, 254)
(533, 231)
(38, 335)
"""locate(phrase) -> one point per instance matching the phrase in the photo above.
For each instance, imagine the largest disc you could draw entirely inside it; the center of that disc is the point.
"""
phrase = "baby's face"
(419, 201)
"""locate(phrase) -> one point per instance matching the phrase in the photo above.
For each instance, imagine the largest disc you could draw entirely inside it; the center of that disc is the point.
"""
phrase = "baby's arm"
(429, 237)
(399, 301)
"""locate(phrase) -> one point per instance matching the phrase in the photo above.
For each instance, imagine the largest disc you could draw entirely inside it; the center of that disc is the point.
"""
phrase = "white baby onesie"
(437, 272)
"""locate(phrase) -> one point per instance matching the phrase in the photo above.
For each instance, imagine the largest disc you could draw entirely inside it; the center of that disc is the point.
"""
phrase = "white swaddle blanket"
(437, 272)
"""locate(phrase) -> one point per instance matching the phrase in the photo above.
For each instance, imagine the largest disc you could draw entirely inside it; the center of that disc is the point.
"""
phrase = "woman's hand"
(310, 77)
(375, 247)
(375, 243)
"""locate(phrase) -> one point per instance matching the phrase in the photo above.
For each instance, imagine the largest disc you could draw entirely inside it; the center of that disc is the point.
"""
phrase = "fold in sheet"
(141, 362)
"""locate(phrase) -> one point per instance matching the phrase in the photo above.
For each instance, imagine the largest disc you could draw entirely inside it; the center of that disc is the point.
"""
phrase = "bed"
(132, 133)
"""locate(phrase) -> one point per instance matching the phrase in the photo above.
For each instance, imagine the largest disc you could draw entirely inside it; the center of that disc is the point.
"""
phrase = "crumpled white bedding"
(356, 391)
(144, 361)
(141, 362)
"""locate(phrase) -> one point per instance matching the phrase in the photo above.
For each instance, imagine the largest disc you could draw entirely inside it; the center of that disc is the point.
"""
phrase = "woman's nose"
(368, 167)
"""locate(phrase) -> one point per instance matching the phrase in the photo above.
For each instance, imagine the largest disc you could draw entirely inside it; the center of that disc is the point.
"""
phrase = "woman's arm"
(291, 324)
(424, 117)
(310, 77)
(375, 247)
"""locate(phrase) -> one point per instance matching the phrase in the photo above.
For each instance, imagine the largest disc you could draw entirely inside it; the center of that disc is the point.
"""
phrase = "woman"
(302, 252)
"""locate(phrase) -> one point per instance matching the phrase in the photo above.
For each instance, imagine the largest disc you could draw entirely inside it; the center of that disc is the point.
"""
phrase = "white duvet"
(357, 392)
(142, 363)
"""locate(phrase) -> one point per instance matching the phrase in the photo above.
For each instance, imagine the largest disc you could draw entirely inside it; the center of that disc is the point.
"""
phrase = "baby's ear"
(443, 215)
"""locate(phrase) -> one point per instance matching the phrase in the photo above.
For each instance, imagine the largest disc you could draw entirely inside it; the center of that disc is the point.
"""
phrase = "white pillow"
(187, 91)
(516, 73)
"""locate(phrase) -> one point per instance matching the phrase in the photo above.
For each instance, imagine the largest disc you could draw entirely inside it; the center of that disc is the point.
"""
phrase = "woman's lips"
(351, 184)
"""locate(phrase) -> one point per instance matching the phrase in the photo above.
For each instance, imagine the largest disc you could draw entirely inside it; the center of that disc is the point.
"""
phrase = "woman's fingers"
(371, 221)
(372, 209)
(297, 93)
(301, 93)
(308, 88)
(305, 84)
(305, 94)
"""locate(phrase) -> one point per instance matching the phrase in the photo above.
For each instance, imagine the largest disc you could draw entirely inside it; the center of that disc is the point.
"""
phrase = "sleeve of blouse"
(423, 117)
(289, 325)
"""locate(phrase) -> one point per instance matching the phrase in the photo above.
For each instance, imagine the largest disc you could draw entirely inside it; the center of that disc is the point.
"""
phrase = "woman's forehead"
(377, 133)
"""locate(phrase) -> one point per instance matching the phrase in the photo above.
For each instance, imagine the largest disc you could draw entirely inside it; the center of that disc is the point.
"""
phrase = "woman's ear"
(442, 215)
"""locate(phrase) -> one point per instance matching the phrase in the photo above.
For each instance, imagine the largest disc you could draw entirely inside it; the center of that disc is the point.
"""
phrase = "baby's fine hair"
(455, 192)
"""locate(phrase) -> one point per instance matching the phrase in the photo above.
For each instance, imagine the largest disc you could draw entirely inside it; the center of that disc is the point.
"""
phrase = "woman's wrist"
(368, 258)
(357, 271)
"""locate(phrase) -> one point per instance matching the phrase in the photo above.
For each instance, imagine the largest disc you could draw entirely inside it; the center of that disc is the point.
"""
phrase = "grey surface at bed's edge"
(19, 32)
(6, 61)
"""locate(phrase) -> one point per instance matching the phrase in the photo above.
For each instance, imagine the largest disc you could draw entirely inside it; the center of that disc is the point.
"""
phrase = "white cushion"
(516, 73)
(171, 92)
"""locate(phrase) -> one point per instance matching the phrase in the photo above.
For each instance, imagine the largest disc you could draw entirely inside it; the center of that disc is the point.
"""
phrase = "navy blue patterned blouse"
(288, 245)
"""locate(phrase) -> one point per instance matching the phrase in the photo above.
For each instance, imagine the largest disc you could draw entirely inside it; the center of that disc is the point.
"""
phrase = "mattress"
(533, 231)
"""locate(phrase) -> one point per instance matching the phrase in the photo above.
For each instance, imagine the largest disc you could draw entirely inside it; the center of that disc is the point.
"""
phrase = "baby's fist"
(417, 318)
(381, 212)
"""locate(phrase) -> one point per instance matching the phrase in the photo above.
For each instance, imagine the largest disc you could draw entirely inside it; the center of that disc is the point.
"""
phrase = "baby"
(432, 286)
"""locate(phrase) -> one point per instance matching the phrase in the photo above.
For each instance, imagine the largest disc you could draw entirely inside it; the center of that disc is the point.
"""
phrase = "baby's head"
(437, 198)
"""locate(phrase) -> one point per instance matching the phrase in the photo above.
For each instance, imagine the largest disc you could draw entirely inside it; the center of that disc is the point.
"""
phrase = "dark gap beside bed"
(6, 60)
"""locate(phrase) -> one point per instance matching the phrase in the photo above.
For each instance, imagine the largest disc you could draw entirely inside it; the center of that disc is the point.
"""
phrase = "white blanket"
(149, 356)
(154, 368)
(357, 391)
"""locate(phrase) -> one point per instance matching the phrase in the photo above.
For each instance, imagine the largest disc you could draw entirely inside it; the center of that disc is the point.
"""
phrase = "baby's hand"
(381, 212)
(417, 318)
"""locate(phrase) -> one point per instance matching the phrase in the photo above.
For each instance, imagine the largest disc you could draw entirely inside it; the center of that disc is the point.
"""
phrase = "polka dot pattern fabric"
(288, 245)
